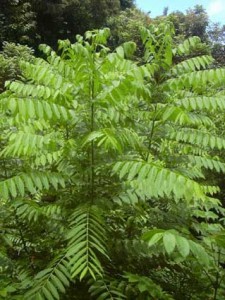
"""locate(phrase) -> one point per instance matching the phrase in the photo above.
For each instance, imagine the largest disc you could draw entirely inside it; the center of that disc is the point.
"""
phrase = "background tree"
(192, 23)
(17, 22)
(126, 26)
(195, 22)
(127, 4)
(66, 18)
(10, 58)
(165, 11)
(31, 22)
(216, 34)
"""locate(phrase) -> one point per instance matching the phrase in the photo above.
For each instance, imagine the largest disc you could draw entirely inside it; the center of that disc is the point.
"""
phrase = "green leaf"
(58, 283)
(199, 253)
(169, 242)
(182, 246)
(120, 51)
(20, 186)
(12, 187)
(47, 294)
(155, 239)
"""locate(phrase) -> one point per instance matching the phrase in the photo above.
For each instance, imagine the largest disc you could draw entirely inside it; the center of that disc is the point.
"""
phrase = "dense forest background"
(111, 152)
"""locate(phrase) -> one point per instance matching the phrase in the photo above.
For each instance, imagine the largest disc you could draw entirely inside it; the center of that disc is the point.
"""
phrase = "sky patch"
(214, 8)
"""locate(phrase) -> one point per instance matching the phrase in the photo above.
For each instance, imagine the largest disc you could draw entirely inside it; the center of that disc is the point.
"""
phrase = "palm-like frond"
(51, 282)
(86, 243)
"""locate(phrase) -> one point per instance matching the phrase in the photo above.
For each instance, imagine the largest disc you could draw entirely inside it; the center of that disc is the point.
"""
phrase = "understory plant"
(108, 185)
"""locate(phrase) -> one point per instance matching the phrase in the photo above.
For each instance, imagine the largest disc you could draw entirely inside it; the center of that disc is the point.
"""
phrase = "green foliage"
(174, 243)
(105, 289)
(10, 59)
(193, 23)
(146, 288)
(106, 164)
(126, 27)
(85, 238)
(66, 18)
(18, 22)
(49, 283)
(124, 4)
(34, 21)
(216, 33)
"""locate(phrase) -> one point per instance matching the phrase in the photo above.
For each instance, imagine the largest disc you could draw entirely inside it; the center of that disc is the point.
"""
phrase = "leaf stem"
(92, 95)
(23, 241)
(217, 282)
(151, 133)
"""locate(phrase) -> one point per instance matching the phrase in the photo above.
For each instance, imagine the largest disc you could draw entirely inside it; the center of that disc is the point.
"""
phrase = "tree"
(104, 173)
(66, 18)
(18, 22)
(216, 34)
(32, 21)
(197, 21)
(165, 11)
(193, 23)
(124, 4)
(93, 12)
(10, 58)
(126, 27)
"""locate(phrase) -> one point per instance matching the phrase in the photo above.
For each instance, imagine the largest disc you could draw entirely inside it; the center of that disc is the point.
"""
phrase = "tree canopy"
(34, 21)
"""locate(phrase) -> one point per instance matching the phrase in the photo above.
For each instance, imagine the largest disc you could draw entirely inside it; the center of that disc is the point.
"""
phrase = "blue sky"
(215, 8)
